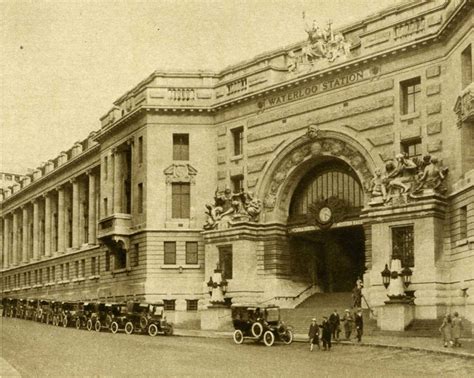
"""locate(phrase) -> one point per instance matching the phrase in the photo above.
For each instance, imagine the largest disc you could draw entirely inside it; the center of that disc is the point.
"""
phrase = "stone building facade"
(330, 158)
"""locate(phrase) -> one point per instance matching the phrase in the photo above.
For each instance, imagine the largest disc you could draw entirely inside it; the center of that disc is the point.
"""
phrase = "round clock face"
(325, 214)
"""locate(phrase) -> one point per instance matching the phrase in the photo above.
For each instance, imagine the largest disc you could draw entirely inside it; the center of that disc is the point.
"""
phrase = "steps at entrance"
(319, 305)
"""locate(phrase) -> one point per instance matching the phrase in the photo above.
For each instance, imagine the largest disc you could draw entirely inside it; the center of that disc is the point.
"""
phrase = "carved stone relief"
(180, 172)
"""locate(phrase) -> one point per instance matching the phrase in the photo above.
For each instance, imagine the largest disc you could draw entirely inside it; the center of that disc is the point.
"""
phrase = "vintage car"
(30, 308)
(44, 312)
(147, 317)
(56, 313)
(98, 318)
(68, 313)
(9, 307)
(83, 314)
(20, 308)
(258, 323)
(117, 312)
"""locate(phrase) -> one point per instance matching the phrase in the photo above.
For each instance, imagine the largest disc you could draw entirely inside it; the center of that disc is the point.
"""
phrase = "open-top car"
(147, 317)
(259, 323)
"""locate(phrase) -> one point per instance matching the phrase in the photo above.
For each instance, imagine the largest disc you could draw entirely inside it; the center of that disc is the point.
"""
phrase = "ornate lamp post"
(217, 286)
(396, 280)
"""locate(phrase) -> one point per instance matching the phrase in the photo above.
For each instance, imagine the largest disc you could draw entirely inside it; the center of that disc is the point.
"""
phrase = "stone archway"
(298, 156)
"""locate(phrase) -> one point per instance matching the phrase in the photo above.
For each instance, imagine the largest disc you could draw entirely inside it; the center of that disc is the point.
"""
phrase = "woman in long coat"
(446, 329)
(457, 328)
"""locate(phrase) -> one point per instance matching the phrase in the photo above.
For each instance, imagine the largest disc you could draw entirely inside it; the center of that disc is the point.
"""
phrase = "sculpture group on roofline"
(408, 178)
(322, 46)
(229, 206)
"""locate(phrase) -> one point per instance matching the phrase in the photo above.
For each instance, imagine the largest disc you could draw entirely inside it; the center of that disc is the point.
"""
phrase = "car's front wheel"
(169, 330)
(129, 328)
(257, 329)
(287, 337)
(78, 323)
(114, 327)
(89, 325)
(97, 326)
(152, 330)
(238, 336)
(269, 338)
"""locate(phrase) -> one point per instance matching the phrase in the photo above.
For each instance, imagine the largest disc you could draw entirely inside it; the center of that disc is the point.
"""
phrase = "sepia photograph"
(230, 188)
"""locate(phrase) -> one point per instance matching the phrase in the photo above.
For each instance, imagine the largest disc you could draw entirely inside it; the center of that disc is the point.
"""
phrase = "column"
(24, 242)
(92, 208)
(6, 242)
(35, 229)
(47, 225)
(75, 213)
(117, 184)
(61, 221)
(15, 239)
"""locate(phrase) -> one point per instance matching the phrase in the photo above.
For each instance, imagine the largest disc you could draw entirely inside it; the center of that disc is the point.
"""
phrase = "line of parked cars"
(131, 317)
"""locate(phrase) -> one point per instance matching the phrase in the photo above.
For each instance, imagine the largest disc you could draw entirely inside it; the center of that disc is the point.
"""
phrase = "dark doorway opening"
(332, 259)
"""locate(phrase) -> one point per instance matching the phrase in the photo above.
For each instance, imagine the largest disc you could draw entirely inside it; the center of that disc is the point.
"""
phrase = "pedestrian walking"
(446, 330)
(313, 334)
(335, 321)
(359, 323)
(357, 296)
(326, 333)
(348, 320)
(456, 329)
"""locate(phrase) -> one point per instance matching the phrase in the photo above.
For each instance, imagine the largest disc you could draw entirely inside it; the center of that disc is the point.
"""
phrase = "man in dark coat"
(348, 323)
(359, 323)
(313, 334)
(335, 322)
(326, 334)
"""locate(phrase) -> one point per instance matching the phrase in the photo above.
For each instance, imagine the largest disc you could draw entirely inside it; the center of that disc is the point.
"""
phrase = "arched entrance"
(326, 237)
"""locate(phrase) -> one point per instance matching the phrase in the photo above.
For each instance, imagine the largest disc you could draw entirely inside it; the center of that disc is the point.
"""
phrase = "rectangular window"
(24, 279)
(134, 257)
(40, 276)
(225, 261)
(76, 269)
(107, 261)
(67, 273)
(238, 141)
(403, 245)
(48, 274)
(98, 265)
(237, 183)
(410, 95)
(191, 304)
(106, 167)
(191, 252)
(412, 148)
(36, 276)
(61, 274)
(140, 198)
(83, 267)
(120, 258)
(56, 234)
(463, 222)
(170, 304)
(53, 274)
(180, 200)
(140, 150)
(93, 266)
(170, 253)
(466, 66)
(180, 146)
(106, 209)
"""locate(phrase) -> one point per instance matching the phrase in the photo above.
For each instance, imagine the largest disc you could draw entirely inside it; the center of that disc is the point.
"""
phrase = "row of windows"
(191, 252)
(191, 304)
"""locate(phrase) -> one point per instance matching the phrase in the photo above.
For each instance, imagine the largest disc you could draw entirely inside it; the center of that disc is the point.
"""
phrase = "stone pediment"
(180, 172)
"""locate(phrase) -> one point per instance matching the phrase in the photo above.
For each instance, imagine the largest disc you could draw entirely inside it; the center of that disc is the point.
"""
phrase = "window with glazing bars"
(403, 245)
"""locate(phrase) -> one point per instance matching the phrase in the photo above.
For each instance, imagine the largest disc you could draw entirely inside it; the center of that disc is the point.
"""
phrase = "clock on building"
(325, 215)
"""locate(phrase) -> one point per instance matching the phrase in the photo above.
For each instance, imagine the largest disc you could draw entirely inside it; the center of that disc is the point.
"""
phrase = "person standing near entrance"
(446, 330)
(359, 323)
(348, 320)
(457, 328)
(326, 334)
(313, 334)
(335, 322)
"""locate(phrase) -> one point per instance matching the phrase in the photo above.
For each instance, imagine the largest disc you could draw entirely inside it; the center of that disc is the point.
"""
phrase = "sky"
(63, 63)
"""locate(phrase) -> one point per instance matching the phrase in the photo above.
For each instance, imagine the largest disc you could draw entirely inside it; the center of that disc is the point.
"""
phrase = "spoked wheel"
(129, 328)
(287, 337)
(89, 325)
(238, 336)
(152, 330)
(97, 326)
(257, 329)
(78, 323)
(114, 327)
(268, 338)
(169, 330)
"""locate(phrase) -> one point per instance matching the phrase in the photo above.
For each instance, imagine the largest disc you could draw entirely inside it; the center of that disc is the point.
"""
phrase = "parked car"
(84, 313)
(98, 317)
(259, 323)
(20, 307)
(9, 307)
(147, 317)
(45, 311)
(118, 316)
(68, 313)
(56, 312)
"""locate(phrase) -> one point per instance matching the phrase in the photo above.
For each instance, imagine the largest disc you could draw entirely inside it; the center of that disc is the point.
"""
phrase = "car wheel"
(152, 330)
(97, 326)
(143, 322)
(257, 329)
(288, 337)
(114, 327)
(238, 336)
(89, 325)
(129, 328)
(269, 338)
(65, 321)
(78, 323)
(169, 330)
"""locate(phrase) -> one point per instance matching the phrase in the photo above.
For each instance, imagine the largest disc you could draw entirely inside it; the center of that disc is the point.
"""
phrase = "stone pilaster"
(47, 225)
(75, 213)
(6, 242)
(91, 238)
(61, 221)
(15, 252)
(24, 242)
(35, 230)
(117, 188)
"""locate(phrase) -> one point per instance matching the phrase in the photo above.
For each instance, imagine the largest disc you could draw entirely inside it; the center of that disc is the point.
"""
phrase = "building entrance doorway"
(331, 259)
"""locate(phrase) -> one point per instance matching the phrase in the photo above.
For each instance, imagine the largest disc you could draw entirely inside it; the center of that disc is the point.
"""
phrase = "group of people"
(451, 330)
(330, 328)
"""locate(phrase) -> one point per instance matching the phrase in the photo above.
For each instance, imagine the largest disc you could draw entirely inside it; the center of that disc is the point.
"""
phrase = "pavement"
(426, 344)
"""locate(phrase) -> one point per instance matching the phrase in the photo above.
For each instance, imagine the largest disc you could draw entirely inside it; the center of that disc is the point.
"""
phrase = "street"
(35, 349)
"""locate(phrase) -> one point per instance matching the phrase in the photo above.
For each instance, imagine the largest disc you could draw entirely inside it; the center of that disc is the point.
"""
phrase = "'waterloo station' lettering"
(315, 89)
